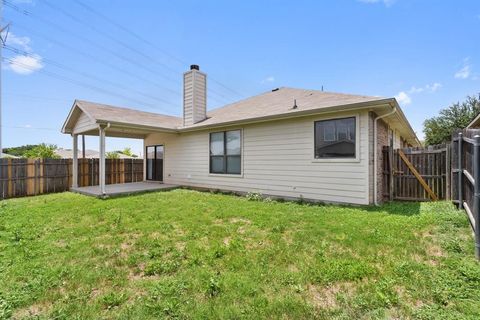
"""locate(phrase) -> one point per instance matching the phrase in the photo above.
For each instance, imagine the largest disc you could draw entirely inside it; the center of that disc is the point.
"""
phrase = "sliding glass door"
(155, 163)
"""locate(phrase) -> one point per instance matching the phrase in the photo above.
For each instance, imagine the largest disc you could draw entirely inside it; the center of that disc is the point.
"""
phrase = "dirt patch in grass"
(325, 297)
(226, 241)
(180, 245)
(240, 220)
(32, 311)
(292, 268)
(241, 230)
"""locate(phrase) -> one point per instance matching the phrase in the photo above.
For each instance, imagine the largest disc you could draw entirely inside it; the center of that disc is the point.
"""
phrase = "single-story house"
(89, 154)
(289, 143)
(475, 124)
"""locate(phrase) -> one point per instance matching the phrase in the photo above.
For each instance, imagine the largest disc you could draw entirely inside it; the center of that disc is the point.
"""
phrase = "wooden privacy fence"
(28, 177)
(466, 177)
(417, 174)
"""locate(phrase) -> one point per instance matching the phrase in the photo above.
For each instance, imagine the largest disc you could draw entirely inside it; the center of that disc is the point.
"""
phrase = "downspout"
(375, 151)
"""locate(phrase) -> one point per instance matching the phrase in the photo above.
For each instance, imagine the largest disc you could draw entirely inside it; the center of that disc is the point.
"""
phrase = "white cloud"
(16, 41)
(23, 64)
(387, 3)
(269, 79)
(26, 64)
(433, 87)
(427, 88)
(463, 73)
(416, 90)
(403, 98)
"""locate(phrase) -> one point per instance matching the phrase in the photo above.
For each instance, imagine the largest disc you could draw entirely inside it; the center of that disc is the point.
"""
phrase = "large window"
(225, 152)
(335, 138)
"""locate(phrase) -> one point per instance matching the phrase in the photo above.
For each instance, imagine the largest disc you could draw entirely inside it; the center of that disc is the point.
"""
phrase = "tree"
(19, 151)
(112, 155)
(42, 151)
(457, 116)
(128, 152)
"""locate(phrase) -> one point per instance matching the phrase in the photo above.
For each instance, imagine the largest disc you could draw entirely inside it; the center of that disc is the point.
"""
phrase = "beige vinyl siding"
(83, 123)
(194, 97)
(277, 159)
(200, 102)
(188, 98)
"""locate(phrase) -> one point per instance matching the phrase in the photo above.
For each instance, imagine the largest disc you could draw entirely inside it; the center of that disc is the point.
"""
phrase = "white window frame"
(357, 139)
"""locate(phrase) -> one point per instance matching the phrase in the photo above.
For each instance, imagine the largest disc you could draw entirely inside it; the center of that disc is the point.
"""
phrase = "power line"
(79, 83)
(84, 74)
(36, 98)
(137, 36)
(31, 128)
(95, 58)
(108, 36)
(110, 51)
(93, 43)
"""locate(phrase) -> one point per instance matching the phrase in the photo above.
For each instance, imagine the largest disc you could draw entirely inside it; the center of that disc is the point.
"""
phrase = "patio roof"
(85, 118)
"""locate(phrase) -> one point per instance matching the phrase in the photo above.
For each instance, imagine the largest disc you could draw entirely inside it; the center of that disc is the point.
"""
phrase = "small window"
(225, 152)
(335, 138)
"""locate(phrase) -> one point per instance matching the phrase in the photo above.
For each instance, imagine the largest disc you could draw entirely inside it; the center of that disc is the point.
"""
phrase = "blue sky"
(424, 52)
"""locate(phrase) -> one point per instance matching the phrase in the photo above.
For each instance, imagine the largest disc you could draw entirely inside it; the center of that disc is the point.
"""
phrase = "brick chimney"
(194, 96)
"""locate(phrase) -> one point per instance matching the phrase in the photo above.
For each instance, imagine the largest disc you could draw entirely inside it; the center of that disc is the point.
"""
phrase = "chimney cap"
(194, 67)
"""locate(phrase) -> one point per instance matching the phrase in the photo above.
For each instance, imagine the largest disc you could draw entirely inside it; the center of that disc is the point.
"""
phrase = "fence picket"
(24, 177)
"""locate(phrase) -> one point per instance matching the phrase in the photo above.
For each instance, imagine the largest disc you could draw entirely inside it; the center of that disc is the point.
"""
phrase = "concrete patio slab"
(112, 190)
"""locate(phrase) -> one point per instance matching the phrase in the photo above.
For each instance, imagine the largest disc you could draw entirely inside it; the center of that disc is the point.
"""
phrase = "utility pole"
(1, 62)
(3, 41)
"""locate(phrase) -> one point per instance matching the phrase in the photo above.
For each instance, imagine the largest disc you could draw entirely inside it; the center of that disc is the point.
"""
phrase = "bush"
(254, 196)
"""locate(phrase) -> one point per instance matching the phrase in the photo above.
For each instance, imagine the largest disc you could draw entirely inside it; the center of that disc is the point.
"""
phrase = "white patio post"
(75, 162)
(102, 160)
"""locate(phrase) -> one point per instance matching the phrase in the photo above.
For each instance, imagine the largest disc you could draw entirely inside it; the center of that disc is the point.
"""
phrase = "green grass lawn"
(186, 254)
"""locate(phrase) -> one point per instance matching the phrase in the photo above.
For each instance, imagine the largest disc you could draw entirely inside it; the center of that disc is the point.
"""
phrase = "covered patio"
(91, 119)
(113, 190)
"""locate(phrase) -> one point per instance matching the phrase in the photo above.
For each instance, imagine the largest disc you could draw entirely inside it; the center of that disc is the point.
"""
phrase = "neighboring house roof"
(68, 153)
(89, 154)
(475, 124)
(275, 104)
(6, 155)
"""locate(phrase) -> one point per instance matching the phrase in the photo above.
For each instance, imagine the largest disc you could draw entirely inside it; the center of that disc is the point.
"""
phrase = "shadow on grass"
(404, 208)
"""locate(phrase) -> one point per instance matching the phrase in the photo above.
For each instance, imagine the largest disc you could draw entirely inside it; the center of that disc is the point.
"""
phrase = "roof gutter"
(296, 114)
(375, 152)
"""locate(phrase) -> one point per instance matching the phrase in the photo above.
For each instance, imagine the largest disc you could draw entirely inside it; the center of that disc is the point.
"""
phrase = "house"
(8, 156)
(475, 124)
(68, 153)
(289, 143)
(89, 154)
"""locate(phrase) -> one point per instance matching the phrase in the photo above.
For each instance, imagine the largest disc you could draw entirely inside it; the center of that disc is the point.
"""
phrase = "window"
(225, 152)
(335, 138)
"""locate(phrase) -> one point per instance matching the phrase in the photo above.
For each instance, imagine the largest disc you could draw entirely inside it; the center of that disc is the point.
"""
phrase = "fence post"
(476, 199)
(460, 170)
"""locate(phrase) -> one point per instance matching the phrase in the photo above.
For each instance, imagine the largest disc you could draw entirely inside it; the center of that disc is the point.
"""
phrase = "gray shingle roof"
(107, 113)
(272, 103)
(281, 102)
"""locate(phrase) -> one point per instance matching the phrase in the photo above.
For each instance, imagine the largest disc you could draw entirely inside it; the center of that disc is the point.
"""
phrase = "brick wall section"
(371, 117)
(382, 140)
